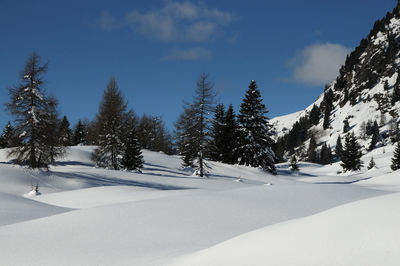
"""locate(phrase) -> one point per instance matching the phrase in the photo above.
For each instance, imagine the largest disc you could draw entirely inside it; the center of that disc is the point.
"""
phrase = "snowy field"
(164, 216)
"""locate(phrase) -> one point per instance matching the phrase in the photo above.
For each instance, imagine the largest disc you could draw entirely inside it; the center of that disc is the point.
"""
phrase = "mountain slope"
(365, 90)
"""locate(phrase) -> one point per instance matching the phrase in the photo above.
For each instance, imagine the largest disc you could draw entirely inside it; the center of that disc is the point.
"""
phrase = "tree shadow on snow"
(97, 181)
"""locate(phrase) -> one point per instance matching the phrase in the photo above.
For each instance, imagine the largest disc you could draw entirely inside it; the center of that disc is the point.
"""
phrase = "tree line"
(205, 130)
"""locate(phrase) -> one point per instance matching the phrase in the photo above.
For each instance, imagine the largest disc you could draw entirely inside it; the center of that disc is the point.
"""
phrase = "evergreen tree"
(351, 156)
(328, 103)
(293, 163)
(153, 135)
(369, 128)
(375, 136)
(217, 143)
(314, 115)
(339, 148)
(80, 133)
(396, 94)
(231, 129)
(363, 130)
(371, 164)
(65, 133)
(193, 125)
(8, 138)
(186, 135)
(394, 132)
(50, 148)
(132, 158)
(325, 155)
(256, 142)
(35, 114)
(312, 155)
(346, 126)
(279, 150)
(396, 158)
(110, 125)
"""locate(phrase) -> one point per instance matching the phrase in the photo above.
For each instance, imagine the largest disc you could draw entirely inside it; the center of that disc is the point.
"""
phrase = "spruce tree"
(394, 132)
(396, 158)
(51, 148)
(351, 156)
(293, 163)
(8, 137)
(256, 142)
(35, 114)
(132, 158)
(153, 135)
(339, 148)
(65, 133)
(328, 103)
(325, 155)
(217, 143)
(346, 126)
(186, 135)
(193, 126)
(375, 136)
(395, 94)
(314, 115)
(312, 155)
(80, 133)
(110, 120)
(371, 164)
(231, 129)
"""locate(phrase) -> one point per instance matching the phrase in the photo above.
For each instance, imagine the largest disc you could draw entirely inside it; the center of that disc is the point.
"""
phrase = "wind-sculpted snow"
(93, 216)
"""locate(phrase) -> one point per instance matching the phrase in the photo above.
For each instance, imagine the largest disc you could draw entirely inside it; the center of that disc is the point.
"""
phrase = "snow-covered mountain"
(363, 90)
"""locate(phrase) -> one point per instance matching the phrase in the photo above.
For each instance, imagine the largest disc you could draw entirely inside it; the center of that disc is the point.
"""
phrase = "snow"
(236, 216)
(347, 235)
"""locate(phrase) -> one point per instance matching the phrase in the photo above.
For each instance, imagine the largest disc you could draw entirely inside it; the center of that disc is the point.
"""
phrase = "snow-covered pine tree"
(231, 128)
(217, 144)
(50, 148)
(255, 132)
(64, 132)
(293, 163)
(351, 155)
(394, 131)
(328, 104)
(314, 115)
(339, 148)
(371, 164)
(34, 116)
(396, 94)
(346, 126)
(312, 155)
(375, 136)
(132, 158)
(153, 135)
(186, 135)
(325, 156)
(8, 137)
(396, 158)
(193, 125)
(80, 132)
(110, 125)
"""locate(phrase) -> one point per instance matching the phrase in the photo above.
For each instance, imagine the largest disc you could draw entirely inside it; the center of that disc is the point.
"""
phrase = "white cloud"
(175, 21)
(192, 54)
(107, 22)
(319, 63)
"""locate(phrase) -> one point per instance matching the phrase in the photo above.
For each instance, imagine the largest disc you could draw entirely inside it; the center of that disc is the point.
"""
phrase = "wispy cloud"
(319, 63)
(107, 22)
(175, 21)
(192, 54)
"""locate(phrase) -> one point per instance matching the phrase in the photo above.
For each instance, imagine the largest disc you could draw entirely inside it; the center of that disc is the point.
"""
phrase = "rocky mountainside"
(366, 91)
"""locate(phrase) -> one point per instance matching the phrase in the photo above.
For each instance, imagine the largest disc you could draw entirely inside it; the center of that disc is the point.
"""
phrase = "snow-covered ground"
(238, 216)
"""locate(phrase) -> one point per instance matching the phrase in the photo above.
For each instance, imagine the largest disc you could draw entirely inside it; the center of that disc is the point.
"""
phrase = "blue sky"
(158, 49)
